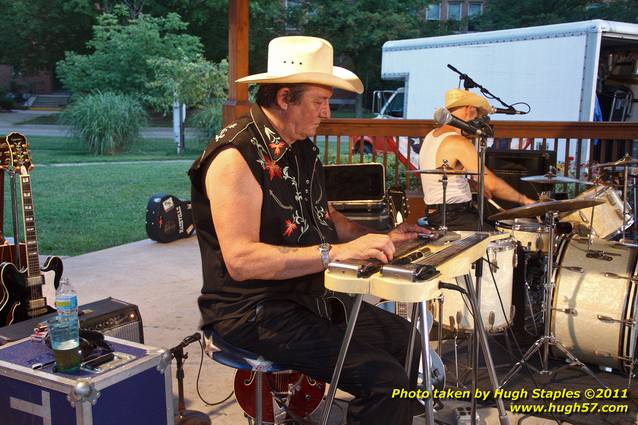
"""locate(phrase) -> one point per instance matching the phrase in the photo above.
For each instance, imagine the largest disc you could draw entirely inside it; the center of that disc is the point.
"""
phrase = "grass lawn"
(85, 208)
(154, 120)
(55, 150)
(85, 203)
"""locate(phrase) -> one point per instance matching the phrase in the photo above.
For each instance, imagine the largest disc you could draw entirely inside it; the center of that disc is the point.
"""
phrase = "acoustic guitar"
(21, 294)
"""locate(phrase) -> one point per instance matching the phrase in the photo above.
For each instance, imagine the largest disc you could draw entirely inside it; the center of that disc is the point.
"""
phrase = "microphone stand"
(186, 417)
(469, 83)
(478, 272)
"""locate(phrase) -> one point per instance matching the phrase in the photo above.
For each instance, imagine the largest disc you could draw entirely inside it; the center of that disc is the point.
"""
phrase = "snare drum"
(456, 307)
(595, 304)
(608, 221)
(532, 235)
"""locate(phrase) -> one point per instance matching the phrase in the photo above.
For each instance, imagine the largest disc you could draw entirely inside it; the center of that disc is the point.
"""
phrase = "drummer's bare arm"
(502, 190)
(459, 148)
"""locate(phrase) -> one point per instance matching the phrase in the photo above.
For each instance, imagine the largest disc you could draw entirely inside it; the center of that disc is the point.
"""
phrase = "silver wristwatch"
(324, 251)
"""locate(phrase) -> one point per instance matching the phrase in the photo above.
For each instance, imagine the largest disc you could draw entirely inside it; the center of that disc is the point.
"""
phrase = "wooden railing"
(575, 143)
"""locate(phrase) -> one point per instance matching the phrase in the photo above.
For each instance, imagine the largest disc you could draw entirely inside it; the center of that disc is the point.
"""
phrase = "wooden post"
(238, 24)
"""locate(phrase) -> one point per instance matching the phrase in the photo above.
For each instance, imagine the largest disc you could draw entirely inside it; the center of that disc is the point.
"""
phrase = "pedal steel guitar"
(413, 276)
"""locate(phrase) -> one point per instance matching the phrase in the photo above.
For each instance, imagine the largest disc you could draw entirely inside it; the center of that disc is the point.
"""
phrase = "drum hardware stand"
(591, 224)
(444, 180)
(528, 288)
(547, 338)
(481, 337)
(624, 240)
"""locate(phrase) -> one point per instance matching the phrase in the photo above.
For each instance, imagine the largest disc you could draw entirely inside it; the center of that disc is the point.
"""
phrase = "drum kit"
(588, 273)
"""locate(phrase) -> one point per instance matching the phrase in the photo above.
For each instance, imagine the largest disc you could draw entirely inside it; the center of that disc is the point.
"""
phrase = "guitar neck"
(30, 238)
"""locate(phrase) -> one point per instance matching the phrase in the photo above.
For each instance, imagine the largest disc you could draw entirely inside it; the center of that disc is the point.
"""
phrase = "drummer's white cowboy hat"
(459, 97)
(301, 59)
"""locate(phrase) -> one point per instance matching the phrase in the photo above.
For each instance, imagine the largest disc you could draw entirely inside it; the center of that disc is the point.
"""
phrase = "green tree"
(358, 29)
(191, 82)
(504, 14)
(123, 53)
(36, 33)
(208, 20)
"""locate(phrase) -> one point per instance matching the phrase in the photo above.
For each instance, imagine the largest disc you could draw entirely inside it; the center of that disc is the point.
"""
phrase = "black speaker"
(514, 164)
(114, 318)
(109, 316)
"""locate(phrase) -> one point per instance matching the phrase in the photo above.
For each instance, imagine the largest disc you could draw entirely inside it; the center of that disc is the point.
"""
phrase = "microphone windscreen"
(442, 116)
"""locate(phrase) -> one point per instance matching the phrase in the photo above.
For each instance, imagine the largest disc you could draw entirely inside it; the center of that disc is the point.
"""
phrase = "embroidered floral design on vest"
(273, 169)
(297, 217)
(290, 227)
(277, 146)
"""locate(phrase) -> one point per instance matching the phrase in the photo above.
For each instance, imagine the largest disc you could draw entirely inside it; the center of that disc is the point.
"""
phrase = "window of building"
(454, 11)
(433, 12)
(475, 9)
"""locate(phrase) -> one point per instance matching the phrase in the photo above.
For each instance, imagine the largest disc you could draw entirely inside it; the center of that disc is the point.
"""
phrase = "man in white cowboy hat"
(446, 143)
(266, 235)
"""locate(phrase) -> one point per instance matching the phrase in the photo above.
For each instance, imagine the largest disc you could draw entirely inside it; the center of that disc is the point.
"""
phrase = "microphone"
(191, 338)
(188, 340)
(506, 111)
(443, 116)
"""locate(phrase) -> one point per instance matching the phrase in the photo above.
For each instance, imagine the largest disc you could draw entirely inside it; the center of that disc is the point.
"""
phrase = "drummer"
(447, 143)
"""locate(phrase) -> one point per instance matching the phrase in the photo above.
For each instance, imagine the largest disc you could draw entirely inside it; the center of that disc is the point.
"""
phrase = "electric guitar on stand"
(21, 294)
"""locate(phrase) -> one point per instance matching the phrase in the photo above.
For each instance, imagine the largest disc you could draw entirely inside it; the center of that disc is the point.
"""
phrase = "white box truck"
(559, 70)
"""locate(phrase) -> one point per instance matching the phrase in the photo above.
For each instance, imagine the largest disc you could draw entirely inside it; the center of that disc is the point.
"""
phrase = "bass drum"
(594, 307)
(496, 318)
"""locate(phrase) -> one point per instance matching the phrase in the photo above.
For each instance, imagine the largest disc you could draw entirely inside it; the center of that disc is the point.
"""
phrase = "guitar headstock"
(15, 153)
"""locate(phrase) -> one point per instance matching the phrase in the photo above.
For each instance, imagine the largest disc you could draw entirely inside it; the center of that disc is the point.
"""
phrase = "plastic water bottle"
(65, 339)
(66, 302)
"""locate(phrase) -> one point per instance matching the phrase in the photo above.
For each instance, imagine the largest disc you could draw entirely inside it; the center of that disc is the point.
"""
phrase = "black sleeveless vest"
(294, 213)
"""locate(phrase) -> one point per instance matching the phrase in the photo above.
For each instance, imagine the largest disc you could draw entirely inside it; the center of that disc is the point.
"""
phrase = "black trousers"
(288, 333)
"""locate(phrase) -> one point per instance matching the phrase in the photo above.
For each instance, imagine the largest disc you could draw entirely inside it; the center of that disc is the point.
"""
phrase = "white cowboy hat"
(459, 97)
(301, 59)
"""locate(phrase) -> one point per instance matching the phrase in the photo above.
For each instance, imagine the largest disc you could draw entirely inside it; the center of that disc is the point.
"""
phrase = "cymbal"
(625, 160)
(448, 171)
(540, 208)
(551, 178)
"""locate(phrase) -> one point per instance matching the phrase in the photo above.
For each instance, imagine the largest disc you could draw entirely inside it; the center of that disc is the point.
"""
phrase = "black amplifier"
(109, 316)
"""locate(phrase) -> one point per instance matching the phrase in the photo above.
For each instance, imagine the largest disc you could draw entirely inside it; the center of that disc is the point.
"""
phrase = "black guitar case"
(168, 218)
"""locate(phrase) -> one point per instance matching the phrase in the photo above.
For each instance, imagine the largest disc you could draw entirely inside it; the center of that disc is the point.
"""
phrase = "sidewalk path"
(63, 131)
(9, 122)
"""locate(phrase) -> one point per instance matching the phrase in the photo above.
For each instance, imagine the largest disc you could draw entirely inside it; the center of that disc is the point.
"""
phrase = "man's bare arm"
(236, 201)
(461, 149)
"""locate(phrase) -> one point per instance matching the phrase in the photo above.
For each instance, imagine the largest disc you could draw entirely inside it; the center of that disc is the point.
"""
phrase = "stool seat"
(238, 358)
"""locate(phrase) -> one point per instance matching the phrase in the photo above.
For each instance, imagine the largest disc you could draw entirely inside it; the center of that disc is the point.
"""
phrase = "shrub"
(6, 100)
(107, 122)
(208, 119)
